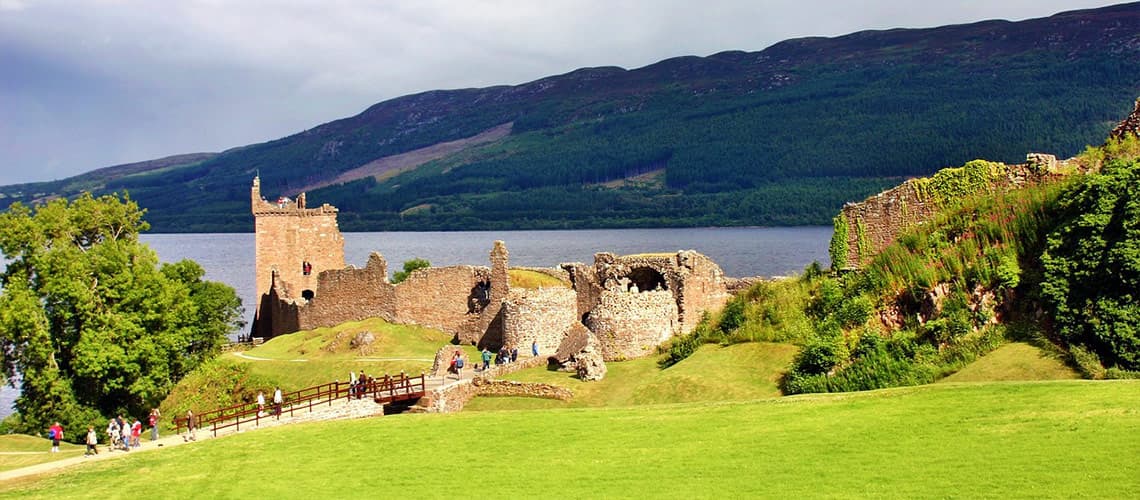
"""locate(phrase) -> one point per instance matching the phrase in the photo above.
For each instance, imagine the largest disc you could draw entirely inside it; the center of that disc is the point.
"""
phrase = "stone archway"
(647, 279)
(307, 295)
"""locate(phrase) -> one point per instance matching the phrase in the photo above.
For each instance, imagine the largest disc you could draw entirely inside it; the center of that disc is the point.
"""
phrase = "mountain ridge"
(734, 132)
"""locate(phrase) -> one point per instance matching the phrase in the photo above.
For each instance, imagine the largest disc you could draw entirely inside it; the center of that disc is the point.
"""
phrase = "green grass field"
(17, 450)
(713, 373)
(1014, 361)
(1058, 439)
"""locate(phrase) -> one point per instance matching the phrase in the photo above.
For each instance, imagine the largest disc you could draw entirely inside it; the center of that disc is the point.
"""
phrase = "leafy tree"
(1092, 265)
(409, 267)
(89, 320)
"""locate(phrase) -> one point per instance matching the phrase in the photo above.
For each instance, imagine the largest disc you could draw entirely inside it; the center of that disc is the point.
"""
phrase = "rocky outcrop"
(1130, 125)
(590, 365)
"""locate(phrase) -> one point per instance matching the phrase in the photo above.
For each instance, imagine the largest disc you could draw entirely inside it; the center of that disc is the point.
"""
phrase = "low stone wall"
(447, 399)
(510, 388)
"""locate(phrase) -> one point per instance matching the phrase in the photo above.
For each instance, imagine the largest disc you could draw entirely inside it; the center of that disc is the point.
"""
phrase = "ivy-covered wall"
(863, 229)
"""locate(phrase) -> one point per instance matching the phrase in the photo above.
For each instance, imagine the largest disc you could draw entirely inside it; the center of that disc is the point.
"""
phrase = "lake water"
(740, 252)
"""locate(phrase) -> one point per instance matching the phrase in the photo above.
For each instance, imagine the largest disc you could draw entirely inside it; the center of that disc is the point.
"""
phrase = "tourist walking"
(458, 365)
(112, 434)
(136, 433)
(514, 354)
(486, 359)
(125, 436)
(153, 421)
(190, 436)
(55, 433)
(260, 403)
(277, 401)
(534, 348)
(92, 441)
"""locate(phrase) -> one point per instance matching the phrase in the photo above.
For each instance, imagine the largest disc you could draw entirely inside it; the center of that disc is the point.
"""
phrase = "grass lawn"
(1014, 361)
(1058, 439)
(18, 450)
(713, 373)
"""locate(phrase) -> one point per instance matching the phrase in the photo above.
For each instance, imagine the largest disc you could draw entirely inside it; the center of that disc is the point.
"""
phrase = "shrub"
(409, 267)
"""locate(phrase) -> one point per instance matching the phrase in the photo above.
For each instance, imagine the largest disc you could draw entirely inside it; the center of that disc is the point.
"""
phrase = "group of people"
(278, 400)
(359, 386)
(121, 434)
(456, 366)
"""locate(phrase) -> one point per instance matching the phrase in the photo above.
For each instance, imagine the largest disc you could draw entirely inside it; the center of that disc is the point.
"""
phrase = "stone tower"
(293, 241)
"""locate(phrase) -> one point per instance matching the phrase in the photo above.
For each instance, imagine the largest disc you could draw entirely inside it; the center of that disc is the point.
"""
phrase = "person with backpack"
(55, 433)
(458, 365)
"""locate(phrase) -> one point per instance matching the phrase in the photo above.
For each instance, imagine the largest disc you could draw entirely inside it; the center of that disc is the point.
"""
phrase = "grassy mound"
(305, 359)
(18, 450)
(1058, 439)
(715, 373)
(1014, 361)
(526, 278)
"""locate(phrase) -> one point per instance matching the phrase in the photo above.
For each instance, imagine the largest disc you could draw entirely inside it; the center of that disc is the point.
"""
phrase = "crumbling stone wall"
(878, 221)
(636, 302)
(700, 287)
(541, 315)
(438, 297)
(351, 294)
(632, 324)
(1130, 125)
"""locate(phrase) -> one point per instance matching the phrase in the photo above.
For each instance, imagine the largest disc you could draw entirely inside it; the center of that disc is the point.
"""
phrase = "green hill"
(1013, 362)
(782, 136)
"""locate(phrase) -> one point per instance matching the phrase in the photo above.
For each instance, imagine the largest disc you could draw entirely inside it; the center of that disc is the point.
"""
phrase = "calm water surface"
(739, 252)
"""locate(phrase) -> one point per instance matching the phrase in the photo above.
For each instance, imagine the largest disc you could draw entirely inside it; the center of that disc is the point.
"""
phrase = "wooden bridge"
(383, 390)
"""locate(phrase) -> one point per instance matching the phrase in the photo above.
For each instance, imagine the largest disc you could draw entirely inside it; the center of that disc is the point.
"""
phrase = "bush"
(409, 267)
(1092, 265)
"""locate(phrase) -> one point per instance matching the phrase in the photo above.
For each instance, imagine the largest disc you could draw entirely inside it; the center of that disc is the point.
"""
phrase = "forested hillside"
(783, 136)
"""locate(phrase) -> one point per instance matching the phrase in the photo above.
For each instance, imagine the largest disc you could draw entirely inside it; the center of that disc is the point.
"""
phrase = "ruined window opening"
(479, 297)
(646, 279)
(307, 294)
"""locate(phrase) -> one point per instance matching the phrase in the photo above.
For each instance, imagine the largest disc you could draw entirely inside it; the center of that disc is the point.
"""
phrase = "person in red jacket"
(136, 431)
(55, 432)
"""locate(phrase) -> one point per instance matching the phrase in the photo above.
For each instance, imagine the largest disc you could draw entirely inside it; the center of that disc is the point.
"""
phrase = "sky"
(86, 84)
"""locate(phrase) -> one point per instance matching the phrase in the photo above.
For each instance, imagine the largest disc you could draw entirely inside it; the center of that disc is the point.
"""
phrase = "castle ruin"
(626, 306)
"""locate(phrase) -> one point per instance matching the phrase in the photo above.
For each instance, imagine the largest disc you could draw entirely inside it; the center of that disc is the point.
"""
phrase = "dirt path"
(104, 454)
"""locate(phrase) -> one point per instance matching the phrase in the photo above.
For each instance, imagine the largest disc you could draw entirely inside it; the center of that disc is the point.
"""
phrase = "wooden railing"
(382, 390)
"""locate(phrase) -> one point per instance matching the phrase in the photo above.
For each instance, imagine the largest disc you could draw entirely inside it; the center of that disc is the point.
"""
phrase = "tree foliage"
(1092, 265)
(89, 320)
(409, 267)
